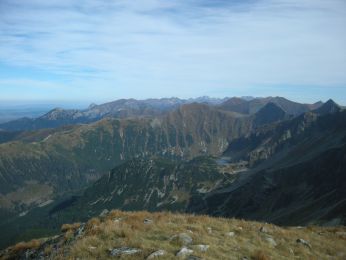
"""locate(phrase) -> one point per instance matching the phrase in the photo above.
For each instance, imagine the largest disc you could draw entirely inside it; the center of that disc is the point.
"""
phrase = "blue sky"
(91, 50)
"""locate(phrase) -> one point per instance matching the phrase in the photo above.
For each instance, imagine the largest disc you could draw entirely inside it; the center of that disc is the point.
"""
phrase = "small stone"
(202, 248)
(117, 220)
(303, 242)
(29, 253)
(263, 229)
(271, 241)
(148, 221)
(230, 234)
(291, 251)
(209, 230)
(124, 251)
(183, 238)
(92, 247)
(156, 254)
(184, 251)
(104, 212)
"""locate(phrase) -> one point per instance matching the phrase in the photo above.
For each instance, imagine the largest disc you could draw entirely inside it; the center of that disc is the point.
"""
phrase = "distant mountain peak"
(331, 102)
(235, 100)
(328, 108)
(92, 105)
(270, 113)
(271, 108)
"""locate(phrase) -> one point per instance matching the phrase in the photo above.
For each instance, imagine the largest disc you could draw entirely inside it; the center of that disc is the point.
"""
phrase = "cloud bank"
(150, 48)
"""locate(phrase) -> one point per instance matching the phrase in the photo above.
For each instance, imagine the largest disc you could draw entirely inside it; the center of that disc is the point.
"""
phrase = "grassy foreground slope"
(137, 235)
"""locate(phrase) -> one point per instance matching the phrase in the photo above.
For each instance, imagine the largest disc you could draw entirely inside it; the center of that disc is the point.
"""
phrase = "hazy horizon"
(79, 104)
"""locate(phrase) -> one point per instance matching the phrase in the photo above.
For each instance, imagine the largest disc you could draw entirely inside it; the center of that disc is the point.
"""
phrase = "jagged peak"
(92, 105)
(271, 107)
(331, 102)
(53, 111)
(56, 109)
(270, 113)
(328, 108)
(234, 101)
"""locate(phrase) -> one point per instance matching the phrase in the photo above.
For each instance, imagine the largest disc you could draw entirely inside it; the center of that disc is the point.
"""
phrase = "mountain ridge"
(122, 108)
(126, 108)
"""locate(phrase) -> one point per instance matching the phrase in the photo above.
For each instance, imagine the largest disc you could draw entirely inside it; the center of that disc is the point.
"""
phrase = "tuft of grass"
(68, 235)
(67, 227)
(22, 246)
(260, 255)
(48, 250)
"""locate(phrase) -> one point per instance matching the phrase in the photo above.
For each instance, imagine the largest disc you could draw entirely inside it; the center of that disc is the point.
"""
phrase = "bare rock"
(271, 241)
(80, 231)
(104, 213)
(184, 251)
(183, 238)
(201, 248)
(117, 220)
(147, 221)
(303, 242)
(124, 251)
(263, 229)
(230, 234)
(156, 254)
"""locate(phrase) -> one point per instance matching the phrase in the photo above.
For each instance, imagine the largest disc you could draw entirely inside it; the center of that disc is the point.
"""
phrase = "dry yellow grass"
(72, 227)
(33, 244)
(260, 255)
(127, 229)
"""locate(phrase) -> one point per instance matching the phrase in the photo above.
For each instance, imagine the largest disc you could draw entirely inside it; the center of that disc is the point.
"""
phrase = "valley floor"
(164, 235)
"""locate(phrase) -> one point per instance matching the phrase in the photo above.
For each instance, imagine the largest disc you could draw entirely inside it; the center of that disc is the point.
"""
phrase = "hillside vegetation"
(70, 158)
(143, 235)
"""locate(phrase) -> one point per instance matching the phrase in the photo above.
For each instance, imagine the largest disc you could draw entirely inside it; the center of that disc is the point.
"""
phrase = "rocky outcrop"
(122, 108)
(152, 184)
(329, 107)
(270, 113)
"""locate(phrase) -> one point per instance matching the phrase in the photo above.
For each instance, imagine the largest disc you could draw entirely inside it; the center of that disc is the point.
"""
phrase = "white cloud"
(146, 47)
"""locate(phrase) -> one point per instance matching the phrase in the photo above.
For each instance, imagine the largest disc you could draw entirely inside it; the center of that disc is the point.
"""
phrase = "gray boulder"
(183, 238)
(184, 251)
(156, 254)
(124, 251)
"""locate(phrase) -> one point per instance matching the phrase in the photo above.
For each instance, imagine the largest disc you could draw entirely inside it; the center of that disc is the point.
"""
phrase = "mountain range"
(130, 108)
(267, 159)
(122, 108)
